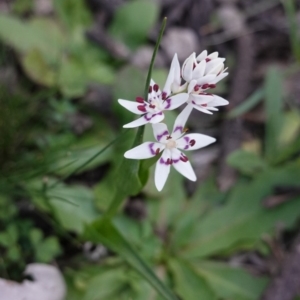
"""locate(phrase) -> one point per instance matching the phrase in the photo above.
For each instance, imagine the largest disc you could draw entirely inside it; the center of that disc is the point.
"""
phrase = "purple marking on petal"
(175, 161)
(186, 147)
(163, 162)
(187, 139)
(151, 115)
(153, 152)
(159, 136)
(180, 128)
(168, 103)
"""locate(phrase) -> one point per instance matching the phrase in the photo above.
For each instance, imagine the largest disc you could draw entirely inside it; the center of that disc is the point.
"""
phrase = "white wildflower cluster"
(187, 85)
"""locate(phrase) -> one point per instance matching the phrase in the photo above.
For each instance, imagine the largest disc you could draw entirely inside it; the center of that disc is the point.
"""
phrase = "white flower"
(170, 146)
(152, 110)
(207, 70)
(202, 73)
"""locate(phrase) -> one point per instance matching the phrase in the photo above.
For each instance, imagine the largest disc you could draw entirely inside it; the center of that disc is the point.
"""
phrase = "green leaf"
(37, 68)
(273, 109)
(73, 14)
(290, 128)
(188, 284)
(133, 21)
(247, 104)
(291, 13)
(246, 162)
(243, 220)
(231, 283)
(40, 34)
(73, 206)
(45, 249)
(107, 285)
(103, 231)
(140, 234)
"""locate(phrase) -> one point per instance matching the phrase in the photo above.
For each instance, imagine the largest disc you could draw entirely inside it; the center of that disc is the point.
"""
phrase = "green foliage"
(246, 162)
(45, 248)
(49, 58)
(105, 232)
(291, 14)
(273, 109)
(247, 104)
(133, 22)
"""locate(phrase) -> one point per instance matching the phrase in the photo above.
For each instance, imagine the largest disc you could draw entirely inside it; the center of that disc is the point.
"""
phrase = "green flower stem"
(119, 198)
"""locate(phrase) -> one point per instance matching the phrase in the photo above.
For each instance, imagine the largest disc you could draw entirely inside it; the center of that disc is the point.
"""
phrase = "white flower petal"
(217, 101)
(219, 78)
(145, 150)
(187, 68)
(202, 109)
(136, 123)
(213, 63)
(173, 76)
(183, 167)
(206, 79)
(175, 101)
(154, 91)
(217, 69)
(191, 86)
(155, 118)
(213, 55)
(202, 55)
(131, 106)
(161, 132)
(162, 169)
(194, 141)
(201, 98)
(181, 121)
(199, 70)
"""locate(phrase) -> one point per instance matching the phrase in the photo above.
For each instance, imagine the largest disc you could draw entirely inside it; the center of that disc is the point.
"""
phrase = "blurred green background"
(64, 64)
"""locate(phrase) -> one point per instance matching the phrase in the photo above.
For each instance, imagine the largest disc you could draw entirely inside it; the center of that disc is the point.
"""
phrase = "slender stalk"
(119, 199)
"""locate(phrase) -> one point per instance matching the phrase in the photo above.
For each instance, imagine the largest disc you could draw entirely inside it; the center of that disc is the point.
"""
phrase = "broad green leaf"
(229, 282)
(40, 34)
(133, 21)
(107, 285)
(188, 283)
(290, 128)
(103, 231)
(273, 109)
(37, 68)
(140, 234)
(202, 203)
(73, 206)
(45, 249)
(243, 220)
(72, 79)
(246, 162)
(247, 104)
(73, 13)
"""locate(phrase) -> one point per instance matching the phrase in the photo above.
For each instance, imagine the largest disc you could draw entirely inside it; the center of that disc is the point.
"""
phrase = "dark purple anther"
(196, 87)
(204, 105)
(156, 87)
(150, 89)
(152, 106)
(164, 95)
(183, 158)
(139, 99)
(212, 86)
(192, 142)
(141, 108)
(207, 59)
(205, 86)
(157, 151)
